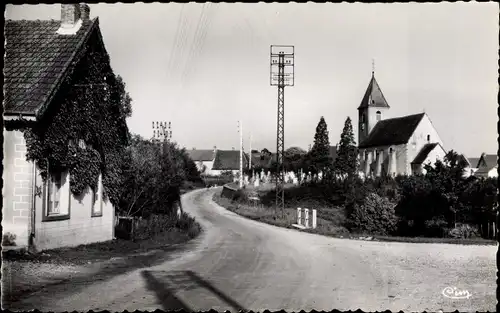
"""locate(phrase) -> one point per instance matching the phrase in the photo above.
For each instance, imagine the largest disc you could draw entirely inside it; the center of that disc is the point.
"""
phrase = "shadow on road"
(167, 284)
(164, 294)
(214, 290)
(100, 273)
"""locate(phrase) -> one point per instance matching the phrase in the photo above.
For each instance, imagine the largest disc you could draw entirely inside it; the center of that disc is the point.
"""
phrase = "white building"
(394, 146)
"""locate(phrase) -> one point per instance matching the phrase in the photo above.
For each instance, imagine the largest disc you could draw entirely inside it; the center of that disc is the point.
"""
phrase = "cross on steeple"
(373, 67)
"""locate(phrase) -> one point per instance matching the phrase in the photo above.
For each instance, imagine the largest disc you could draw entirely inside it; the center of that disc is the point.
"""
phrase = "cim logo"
(455, 293)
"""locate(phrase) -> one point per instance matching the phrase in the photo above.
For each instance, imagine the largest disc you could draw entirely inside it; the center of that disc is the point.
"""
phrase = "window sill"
(59, 217)
(97, 214)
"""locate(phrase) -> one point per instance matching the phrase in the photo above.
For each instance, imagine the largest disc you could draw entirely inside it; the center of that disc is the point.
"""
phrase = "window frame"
(46, 197)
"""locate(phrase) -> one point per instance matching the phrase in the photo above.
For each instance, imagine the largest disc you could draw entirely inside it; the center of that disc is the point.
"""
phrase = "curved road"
(240, 264)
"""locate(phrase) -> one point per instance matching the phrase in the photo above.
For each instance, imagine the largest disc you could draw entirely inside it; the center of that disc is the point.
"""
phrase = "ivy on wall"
(84, 129)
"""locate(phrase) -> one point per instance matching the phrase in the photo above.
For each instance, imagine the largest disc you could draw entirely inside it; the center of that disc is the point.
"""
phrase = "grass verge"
(328, 223)
(184, 230)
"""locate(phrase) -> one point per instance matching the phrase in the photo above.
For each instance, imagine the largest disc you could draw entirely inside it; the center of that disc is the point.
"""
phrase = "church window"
(428, 138)
(379, 116)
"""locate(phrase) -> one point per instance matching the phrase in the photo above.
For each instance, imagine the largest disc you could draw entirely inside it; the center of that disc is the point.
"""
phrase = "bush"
(376, 216)
(9, 239)
(189, 224)
(464, 231)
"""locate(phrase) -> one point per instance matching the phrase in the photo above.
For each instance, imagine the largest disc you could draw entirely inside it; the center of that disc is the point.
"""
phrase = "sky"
(204, 67)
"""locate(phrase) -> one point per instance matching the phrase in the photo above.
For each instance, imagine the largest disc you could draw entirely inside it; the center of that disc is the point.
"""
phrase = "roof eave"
(361, 146)
(13, 114)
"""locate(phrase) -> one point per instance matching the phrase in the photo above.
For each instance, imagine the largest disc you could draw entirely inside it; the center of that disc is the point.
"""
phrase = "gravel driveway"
(242, 264)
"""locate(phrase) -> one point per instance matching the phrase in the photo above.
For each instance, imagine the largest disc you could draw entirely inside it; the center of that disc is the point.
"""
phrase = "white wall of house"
(469, 171)
(493, 172)
(369, 155)
(437, 153)
(207, 164)
(17, 187)
(219, 172)
(81, 227)
(419, 139)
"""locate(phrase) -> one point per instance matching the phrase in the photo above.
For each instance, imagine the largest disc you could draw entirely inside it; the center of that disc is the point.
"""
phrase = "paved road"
(241, 264)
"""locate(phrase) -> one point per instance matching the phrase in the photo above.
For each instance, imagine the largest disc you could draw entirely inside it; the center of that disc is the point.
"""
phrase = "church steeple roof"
(373, 96)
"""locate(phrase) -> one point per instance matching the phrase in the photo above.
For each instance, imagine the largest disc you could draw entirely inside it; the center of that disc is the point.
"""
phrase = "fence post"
(314, 221)
(306, 217)
(299, 216)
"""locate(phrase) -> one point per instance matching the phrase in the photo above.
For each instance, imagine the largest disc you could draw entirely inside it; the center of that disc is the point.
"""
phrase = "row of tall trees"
(318, 158)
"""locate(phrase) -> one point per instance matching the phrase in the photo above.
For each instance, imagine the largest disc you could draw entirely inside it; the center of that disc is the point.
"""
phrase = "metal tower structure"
(282, 74)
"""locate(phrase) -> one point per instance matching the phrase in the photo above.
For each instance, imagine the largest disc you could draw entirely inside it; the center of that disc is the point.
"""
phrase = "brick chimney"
(84, 12)
(70, 19)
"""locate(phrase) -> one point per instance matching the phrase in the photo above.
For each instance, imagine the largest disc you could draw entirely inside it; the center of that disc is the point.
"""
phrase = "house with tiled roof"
(215, 162)
(394, 146)
(228, 160)
(44, 61)
(471, 169)
(203, 158)
(487, 166)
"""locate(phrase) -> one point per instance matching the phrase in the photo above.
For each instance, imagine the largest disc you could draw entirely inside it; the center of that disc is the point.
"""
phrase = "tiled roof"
(487, 161)
(392, 131)
(201, 155)
(373, 96)
(229, 160)
(484, 170)
(473, 162)
(35, 61)
(423, 153)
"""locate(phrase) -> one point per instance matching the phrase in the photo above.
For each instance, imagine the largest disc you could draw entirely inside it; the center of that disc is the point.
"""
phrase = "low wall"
(228, 191)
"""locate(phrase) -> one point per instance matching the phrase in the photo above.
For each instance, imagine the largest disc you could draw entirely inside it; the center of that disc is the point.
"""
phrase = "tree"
(346, 162)
(448, 183)
(153, 177)
(265, 152)
(319, 156)
(294, 158)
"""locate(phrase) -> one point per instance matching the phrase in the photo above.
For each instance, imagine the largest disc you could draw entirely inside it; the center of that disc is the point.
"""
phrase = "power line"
(195, 42)
(176, 41)
(182, 42)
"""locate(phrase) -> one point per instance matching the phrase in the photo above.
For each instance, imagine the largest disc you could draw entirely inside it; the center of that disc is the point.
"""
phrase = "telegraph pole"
(282, 74)
(240, 130)
(162, 132)
(250, 154)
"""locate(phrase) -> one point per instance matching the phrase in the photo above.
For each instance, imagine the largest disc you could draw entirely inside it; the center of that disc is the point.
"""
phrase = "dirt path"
(242, 264)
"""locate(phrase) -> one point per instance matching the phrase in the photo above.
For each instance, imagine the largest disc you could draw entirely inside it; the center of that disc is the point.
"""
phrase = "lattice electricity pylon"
(282, 58)
(280, 140)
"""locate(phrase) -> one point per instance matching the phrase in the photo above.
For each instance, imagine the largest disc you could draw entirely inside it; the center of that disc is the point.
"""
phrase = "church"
(393, 146)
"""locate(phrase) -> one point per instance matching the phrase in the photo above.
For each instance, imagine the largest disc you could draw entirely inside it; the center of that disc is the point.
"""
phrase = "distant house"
(487, 166)
(472, 168)
(393, 146)
(228, 160)
(204, 159)
(429, 154)
(215, 162)
(41, 60)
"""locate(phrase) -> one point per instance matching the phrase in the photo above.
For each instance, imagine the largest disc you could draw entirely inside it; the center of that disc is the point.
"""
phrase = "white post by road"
(306, 217)
(314, 221)
(299, 216)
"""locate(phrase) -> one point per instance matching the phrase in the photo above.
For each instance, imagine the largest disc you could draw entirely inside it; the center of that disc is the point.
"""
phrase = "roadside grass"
(329, 222)
(259, 212)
